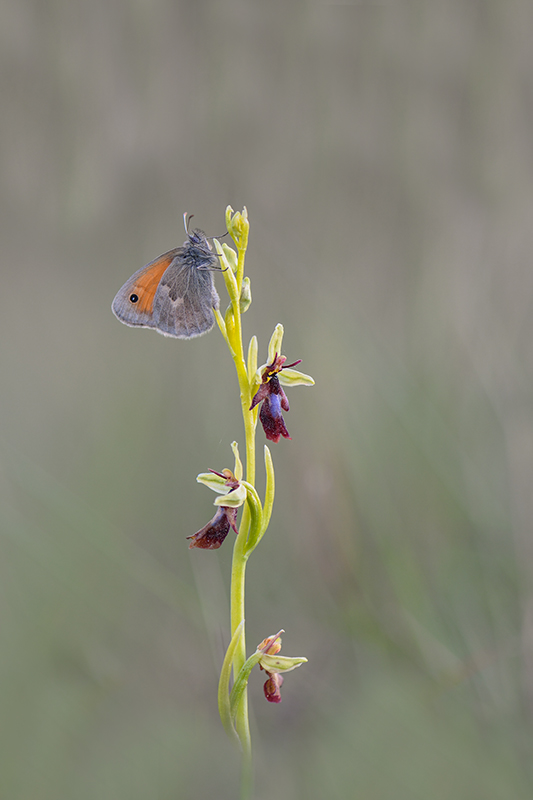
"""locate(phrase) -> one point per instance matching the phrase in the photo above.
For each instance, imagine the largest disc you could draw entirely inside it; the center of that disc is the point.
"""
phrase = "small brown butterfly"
(175, 294)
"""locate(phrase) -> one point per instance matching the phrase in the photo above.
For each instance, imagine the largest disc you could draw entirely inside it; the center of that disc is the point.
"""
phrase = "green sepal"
(214, 482)
(293, 377)
(233, 499)
(238, 471)
(280, 663)
(274, 346)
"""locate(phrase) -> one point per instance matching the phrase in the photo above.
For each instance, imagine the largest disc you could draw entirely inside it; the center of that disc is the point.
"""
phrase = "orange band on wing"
(146, 285)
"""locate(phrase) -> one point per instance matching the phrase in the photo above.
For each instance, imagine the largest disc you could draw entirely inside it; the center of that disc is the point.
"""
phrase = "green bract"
(246, 295)
(230, 256)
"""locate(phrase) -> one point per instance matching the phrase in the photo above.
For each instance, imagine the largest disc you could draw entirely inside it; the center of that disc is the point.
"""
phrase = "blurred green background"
(385, 154)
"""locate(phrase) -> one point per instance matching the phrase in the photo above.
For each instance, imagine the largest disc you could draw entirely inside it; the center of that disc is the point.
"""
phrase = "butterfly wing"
(134, 302)
(171, 295)
(184, 301)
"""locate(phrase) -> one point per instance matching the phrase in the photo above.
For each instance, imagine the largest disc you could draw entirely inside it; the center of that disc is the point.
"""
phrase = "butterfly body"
(174, 294)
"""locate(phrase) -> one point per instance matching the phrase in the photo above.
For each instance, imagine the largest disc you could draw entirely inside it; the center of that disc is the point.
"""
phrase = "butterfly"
(175, 294)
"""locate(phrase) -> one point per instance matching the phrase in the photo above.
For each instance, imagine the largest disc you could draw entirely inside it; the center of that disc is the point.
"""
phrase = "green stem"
(238, 571)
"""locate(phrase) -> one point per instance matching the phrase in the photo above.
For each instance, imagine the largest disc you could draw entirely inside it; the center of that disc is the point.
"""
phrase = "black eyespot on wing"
(134, 298)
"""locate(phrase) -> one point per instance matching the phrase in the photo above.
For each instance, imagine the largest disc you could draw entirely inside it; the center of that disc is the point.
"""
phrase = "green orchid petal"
(293, 377)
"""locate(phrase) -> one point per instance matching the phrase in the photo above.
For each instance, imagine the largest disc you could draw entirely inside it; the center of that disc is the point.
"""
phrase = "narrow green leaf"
(224, 704)
(256, 517)
(270, 489)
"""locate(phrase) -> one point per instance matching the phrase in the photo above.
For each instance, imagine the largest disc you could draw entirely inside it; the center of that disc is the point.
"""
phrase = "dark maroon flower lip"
(212, 535)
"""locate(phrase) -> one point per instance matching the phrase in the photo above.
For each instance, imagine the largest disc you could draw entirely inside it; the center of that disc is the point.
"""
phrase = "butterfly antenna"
(217, 237)
(186, 220)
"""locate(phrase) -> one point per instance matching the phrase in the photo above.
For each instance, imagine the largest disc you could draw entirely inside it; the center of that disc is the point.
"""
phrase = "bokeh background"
(384, 151)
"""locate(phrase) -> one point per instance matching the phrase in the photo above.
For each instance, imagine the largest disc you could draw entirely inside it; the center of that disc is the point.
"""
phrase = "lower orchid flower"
(273, 665)
(212, 535)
